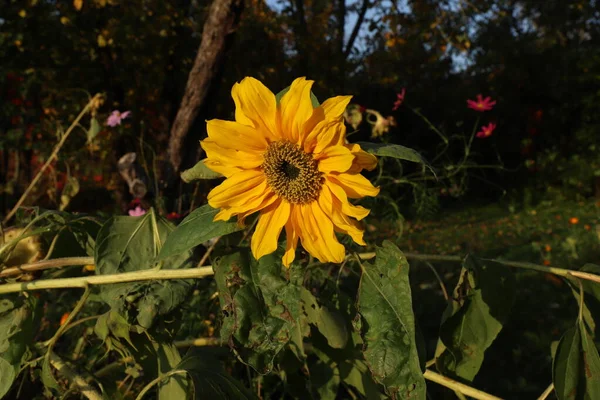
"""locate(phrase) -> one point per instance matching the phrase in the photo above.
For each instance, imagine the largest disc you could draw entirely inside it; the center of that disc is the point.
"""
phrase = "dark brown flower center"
(291, 173)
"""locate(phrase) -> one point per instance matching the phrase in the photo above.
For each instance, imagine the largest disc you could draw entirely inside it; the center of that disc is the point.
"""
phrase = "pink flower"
(399, 99)
(116, 117)
(486, 131)
(481, 104)
(137, 212)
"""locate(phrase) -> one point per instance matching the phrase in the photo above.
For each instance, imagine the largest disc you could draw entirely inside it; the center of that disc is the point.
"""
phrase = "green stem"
(85, 388)
(547, 392)
(46, 264)
(82, 282)
(458, 387)
(431, 126)
(157, 381)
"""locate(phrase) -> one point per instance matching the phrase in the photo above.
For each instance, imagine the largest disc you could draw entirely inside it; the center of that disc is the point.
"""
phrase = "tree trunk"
(222, 20)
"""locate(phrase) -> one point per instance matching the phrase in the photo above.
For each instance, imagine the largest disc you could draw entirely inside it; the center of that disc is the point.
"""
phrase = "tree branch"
(221, 22)
(354, 34)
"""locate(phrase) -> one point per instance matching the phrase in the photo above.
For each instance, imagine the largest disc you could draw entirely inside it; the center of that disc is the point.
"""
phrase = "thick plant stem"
(82, 282)
(458, 387)
(85, 388)
(57, 148)
(202, 272)
(46, 264)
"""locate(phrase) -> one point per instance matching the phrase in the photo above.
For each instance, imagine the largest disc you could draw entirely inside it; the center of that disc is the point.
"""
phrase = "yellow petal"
(238, 188)
(362, 160)
(328, 243)
(348, 208)
(270, 223)
(233, 135)
(317, 234)
(255, 105)
(331, 206)
(334, 107)
(250, 206)
(356, 186)
(295, 109)
(222, 169)
(335, 158)
(317, 116)
(307, 234)
(268, 199)
(326, 133)
(231, 157)
(291, 234)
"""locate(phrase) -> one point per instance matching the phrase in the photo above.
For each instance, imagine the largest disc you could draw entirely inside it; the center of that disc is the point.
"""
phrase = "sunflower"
(290, 162)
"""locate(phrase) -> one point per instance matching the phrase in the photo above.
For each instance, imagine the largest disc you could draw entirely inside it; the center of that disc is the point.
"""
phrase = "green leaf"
(325, 379)
(313, 98)
(211, 381)
(112, 323)
(329, 323)
(395, 151)
(388, 324)
(195, 229)
(357, 374)
(576, 367)
(175, 387)
(94, 130)
(479, 307)
(260, 306)
(17, 329)
(127, 244)
(590, 287)
(199, 171)
(8, 374)
(48, 378)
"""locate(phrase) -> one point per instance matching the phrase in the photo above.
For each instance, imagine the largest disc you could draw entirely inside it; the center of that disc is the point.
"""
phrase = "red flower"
(399, 99)
(486, 131)
(173, 215)
(135, 202)
(481, 104)
(98, 178)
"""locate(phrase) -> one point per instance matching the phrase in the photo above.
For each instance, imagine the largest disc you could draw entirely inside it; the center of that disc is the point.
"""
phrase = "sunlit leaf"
(199, 171)
(388, 324)
(357, 374)
(127, 244)
(176, 386)
(95, 128)
(479, 307)
(195, 229)
(329, 322)
(395, 151)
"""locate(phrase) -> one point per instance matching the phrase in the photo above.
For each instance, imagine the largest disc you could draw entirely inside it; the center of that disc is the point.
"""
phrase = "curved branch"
(221, 22)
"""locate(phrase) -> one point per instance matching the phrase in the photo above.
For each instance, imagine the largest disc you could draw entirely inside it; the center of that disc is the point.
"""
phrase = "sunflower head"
(290, 162)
